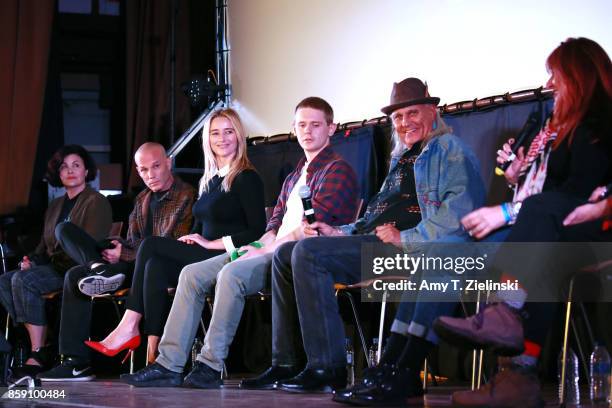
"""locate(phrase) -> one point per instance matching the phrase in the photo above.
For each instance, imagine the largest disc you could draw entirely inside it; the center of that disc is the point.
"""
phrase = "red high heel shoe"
(131, 344)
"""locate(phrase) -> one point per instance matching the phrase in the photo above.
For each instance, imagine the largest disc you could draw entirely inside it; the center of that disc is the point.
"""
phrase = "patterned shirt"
(533, 171)
(334, 188)
(171, 218)
(396, 202)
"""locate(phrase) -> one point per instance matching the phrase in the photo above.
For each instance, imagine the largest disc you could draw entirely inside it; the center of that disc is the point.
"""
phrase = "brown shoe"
(510, 388)
(497, 326)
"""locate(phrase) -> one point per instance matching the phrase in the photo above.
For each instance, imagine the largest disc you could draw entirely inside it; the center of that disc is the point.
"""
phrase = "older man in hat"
(432, 183)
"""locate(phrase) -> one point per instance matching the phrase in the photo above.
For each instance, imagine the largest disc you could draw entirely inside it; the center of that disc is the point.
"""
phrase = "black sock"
(393, 349)
(414, 354)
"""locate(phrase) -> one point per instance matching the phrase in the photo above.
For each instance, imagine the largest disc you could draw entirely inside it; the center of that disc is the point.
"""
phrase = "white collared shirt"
(223, 171)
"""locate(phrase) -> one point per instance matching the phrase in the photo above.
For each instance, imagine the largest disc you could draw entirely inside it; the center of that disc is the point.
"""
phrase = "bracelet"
(507, 217)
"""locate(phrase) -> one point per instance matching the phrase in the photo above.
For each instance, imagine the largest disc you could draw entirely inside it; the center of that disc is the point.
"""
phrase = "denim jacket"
(448, 186)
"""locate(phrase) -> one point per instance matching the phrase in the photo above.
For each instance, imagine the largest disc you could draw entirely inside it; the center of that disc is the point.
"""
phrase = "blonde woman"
(229, 213)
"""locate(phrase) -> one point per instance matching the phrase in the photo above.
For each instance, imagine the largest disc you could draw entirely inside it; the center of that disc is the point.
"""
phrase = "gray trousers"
(233, 281)
(21, 292)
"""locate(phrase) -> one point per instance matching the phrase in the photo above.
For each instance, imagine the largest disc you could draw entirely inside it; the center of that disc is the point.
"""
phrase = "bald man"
(163, 208)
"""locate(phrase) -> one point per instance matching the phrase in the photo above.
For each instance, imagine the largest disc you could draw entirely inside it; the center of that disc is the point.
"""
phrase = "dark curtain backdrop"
(25, 33)
(367, 149)
(148, 75)
(359, 148)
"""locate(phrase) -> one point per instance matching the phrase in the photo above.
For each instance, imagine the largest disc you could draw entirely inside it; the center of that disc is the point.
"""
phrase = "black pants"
(78, 244)
(303, 277)
(158, 264)
(76, 312)
(541, 220)
(76, 307)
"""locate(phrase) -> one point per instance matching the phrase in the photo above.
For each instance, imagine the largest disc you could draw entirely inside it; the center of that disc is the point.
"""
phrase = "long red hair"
(582, 73)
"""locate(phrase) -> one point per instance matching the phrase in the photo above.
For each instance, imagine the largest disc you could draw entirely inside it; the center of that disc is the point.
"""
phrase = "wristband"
(237, 253)
(507, 217)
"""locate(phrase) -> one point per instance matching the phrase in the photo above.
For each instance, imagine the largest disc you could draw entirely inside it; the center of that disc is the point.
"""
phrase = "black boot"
(385, 385)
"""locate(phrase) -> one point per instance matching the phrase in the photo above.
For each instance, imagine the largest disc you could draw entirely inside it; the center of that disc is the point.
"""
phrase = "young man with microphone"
(333, 192)
(433, 181)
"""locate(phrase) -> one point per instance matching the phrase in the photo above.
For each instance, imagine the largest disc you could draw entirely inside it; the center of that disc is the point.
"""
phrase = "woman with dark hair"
(42, 271)
(573, 157)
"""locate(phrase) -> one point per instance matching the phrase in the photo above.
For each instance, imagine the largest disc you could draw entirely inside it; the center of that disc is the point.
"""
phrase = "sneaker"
(202, 376)
(68, 370)
(97, 283)
(153, 375)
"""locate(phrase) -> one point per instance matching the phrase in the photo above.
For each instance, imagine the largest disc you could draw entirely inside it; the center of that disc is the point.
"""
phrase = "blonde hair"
(240, 163)
(441, 128)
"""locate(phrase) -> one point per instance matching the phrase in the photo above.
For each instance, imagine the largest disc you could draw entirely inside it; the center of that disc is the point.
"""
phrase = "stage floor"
(112, 393)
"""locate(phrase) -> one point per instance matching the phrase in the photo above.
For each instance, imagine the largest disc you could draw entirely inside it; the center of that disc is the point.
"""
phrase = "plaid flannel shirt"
(334, 188)
(171, 219)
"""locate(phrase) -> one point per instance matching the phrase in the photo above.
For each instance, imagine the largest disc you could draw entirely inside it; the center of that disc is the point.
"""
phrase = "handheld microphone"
(305, 195)
(525, 135)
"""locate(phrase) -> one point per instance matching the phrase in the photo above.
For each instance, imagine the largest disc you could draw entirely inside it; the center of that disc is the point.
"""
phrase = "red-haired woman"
(571, 160)
(571, 152)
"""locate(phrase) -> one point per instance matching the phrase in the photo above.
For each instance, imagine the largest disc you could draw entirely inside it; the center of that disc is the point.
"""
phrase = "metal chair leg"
(8, 325)
(383, 307)
(568, 312)
(480, 375)
(358, 324)
(425, 375)
(3, 258)
(475, 352)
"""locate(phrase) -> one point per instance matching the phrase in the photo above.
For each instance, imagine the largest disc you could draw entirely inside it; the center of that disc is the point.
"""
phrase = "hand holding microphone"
(512, 152)
(306, 196)
(511, 160)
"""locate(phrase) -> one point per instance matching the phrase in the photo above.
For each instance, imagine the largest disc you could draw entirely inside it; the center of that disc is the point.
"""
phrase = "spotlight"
(201, 91)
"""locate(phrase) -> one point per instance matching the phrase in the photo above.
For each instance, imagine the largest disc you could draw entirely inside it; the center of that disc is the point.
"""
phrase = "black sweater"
(238, 213)
(578, 168)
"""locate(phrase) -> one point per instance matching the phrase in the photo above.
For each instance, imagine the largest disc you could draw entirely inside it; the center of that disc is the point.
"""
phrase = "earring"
(435, 125)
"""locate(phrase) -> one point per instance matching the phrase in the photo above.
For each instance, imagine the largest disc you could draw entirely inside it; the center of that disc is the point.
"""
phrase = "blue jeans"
(416, 318)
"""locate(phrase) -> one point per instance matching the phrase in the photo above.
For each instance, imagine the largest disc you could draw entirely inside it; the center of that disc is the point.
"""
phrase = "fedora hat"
(410, 91)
